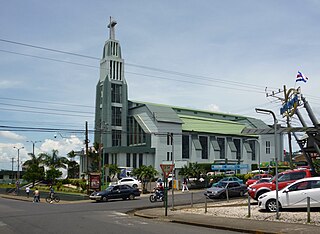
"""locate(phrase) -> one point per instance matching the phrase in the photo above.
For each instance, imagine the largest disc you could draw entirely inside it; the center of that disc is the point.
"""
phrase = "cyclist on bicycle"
(51, 192)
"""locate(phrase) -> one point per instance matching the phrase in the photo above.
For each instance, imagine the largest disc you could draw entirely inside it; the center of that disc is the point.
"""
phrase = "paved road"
(88, 217)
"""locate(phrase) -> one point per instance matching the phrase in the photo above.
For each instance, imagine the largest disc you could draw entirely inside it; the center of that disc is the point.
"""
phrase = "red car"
(257, 177)
(284, 178)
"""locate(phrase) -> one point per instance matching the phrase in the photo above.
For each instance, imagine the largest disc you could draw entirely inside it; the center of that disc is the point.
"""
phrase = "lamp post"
(33, 143)
(18, 172)
(173, 178)
(275, 121)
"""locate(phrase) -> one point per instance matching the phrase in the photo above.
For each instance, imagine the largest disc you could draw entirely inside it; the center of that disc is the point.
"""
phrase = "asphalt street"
(90, 217)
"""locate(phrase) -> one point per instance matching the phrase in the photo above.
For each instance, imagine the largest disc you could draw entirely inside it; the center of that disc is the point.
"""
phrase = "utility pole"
(12, 161)
(87, 148)
(33, 143)
(288, 125)
(87, 155)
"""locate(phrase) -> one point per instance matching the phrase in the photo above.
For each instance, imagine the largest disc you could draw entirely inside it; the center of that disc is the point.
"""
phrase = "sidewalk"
(233, 224)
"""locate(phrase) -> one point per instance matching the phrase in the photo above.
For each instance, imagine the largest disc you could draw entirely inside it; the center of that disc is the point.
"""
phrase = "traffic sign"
(166, 169)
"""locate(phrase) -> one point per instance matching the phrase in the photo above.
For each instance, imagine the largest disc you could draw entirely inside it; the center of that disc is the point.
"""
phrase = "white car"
(131, 182)
(293, 196)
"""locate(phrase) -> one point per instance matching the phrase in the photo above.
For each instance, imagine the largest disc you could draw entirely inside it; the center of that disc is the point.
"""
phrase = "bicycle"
(54, 198)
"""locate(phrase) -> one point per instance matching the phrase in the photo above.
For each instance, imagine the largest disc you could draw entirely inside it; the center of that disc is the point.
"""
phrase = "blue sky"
(229, 52)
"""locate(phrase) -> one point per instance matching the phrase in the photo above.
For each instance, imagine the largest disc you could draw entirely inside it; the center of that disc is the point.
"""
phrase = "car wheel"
(222, 195)
(241, 193)
(135, 186)
(131, 197)
(271, 205)
(105, 199)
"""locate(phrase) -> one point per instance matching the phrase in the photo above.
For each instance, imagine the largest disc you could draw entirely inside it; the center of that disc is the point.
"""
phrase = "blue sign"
(289, 105)
(229, 167)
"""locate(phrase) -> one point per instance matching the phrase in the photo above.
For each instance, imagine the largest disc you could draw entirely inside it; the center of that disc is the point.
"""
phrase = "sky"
(212, 55)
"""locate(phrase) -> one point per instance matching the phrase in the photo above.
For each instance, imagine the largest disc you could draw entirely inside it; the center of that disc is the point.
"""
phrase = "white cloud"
(213, 108)
(11, 135)
(64, 146)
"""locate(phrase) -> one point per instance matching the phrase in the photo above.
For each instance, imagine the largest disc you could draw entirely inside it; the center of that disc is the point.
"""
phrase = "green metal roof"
(199, 124)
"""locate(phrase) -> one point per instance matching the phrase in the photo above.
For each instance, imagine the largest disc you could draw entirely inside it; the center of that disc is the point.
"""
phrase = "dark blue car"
(116, 192)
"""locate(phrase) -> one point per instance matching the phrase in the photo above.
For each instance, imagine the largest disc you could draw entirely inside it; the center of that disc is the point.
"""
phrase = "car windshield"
(109, 188)
(256, 177)
(222, 185)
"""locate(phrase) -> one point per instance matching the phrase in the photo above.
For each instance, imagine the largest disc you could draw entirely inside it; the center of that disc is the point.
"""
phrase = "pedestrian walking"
(27, 191)
(184, 185)
(36, 195)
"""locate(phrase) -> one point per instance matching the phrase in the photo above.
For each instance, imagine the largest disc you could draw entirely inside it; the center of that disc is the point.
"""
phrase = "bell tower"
(111, 95)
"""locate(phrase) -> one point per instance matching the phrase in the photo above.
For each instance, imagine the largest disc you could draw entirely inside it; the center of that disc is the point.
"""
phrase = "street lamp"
(269, 112)
(33, 143)
(18, 172)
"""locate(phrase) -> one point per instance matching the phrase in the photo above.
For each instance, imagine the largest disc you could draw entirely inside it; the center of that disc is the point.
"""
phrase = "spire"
(111, 26)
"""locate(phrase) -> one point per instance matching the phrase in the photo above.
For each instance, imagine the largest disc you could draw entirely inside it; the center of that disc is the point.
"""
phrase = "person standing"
(27, 191)
(36, 197)
(184, 185)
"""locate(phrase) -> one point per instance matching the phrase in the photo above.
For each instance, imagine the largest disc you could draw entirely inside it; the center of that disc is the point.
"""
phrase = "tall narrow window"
(140, 160)
(134, 162)
(116, 93)
(204, 144)
(116, 138)
(169, 139)
(128, 160)
(253, 148)
(185, 146)
(268, 147)
(237, 145)
(116, 116)
(222, 145)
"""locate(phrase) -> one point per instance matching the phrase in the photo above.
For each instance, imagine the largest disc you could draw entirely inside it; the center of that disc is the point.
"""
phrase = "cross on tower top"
(111, 26)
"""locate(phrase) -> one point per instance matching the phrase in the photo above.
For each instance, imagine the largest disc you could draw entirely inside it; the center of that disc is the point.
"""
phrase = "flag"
(301, 77)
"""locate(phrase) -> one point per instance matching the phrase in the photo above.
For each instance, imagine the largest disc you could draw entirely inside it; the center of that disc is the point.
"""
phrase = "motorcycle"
(157, 196)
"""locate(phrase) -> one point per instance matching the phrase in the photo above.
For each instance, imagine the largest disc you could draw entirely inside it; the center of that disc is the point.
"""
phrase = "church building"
(141, 133)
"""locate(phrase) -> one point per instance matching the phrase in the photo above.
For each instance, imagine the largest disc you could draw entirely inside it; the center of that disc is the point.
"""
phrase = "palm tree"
(34, 172)
(54, 162)
(145, 174)
(73, 166)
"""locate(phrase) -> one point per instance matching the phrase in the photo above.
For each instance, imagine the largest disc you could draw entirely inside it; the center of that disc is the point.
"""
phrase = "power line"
(45, 102)
(50, 109)
(47, 113)
(128, 64)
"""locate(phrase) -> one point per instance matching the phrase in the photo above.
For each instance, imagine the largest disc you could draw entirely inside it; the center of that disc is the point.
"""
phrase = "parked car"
(116, 192)
(256, 178)
(234, 189)
(262, 180)
(131, 182)
(293, 196)
(229, 178)
(284, 178)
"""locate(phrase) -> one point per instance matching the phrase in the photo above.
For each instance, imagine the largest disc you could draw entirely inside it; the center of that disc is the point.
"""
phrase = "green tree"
(52, 174)
(73, 166)
(93, 154)
(114, 170)
(145, 174)
(54, 162)
(34, 172)
(193, 170)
